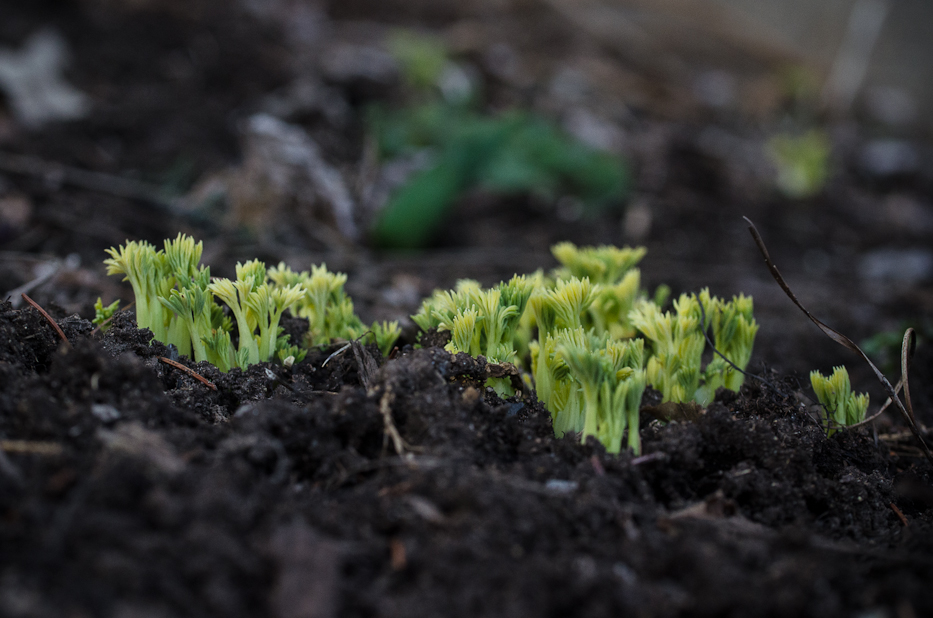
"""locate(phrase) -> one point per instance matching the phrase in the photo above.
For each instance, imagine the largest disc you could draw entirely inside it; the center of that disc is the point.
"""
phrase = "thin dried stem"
(191, 372)
(48, 318)
(843, 341)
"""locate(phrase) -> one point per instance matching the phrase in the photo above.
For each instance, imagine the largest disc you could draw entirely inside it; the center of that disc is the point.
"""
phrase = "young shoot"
(612, 382)
(147, 271)
(325, 305)
(235, 294)
(579, 329)
(480, 322)
(103, 314)
(175, 299)
(557, 309)
(676, 347)
(385, 334)
(842, 407)
(734, 331)
(193, 306)
(602, 265)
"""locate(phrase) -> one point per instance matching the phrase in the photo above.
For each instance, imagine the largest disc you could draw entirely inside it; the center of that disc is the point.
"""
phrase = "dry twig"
(385, 408)
(900, 514)
(191, 372)
(48, 318)
(31, 447)
(849, 344)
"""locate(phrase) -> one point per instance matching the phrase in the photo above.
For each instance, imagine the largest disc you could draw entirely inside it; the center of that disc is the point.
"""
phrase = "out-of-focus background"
(412, 143)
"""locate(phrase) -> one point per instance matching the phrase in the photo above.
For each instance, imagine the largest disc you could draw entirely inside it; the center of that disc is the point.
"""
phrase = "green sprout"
(611, 380)
(843, 407)
(175, 300)
(480, 322)
(193, 305)
(328, 309)
(255, 303)
(676, 344)
(219, 350)
(576, 334)
(734, 331)
(326, 306)
(288, 355)
(102, 315)
(147, 270)
(603, 264)
(385, 334)
(235, 294)
(153, 274)
(619, 283)
(268, 304)
(443, 305)
(560, 308)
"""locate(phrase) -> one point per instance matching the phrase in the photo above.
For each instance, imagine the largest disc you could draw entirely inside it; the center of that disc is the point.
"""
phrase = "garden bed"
(366, 486)
(131, 488)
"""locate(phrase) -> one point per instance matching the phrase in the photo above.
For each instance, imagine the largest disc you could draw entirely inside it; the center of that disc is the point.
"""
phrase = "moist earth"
(354, 486)
(131, 488)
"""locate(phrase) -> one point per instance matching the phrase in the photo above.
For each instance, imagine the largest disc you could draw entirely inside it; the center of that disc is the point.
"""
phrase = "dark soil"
(127, 486)
(130, 489)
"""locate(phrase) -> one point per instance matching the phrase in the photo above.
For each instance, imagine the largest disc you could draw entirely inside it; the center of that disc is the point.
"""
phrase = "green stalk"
(232, 294)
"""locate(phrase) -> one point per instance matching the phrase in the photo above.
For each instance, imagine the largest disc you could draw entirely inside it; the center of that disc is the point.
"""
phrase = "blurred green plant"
(511, 153)
(802, 162)
(421, 57)
(884, 347)
(516, 152)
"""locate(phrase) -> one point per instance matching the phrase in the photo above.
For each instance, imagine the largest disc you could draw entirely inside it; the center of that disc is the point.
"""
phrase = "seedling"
(619, 283)
(587, 366)
(481, 322)
(556, 309)
(385, 335)
(841, 405)
(207, 330)
(102, 315)
(734, 331)
(254, 304)
(676, 344)
(175, 299)
(147, 271)
(325, 304)
(611, 380)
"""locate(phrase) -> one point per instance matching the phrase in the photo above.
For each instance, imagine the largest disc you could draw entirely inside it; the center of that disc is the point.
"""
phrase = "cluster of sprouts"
(842, 407)
(176, 298)
(593, 340)
(587, 335)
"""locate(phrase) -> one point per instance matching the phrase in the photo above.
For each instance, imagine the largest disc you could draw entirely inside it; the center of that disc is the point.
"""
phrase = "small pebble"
(561, 486)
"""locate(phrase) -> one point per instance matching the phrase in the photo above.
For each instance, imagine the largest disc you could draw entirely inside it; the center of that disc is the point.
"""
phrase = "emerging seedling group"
(587, 338)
